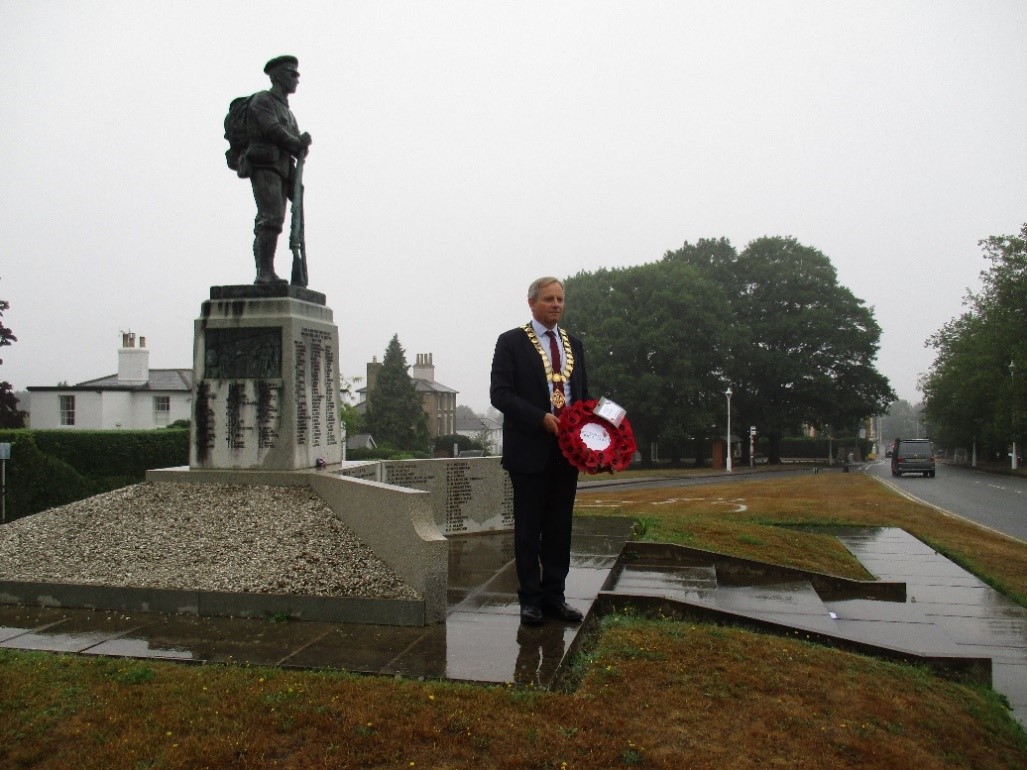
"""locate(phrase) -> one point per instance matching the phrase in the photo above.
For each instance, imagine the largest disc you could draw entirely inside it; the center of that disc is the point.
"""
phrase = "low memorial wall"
(468, 495)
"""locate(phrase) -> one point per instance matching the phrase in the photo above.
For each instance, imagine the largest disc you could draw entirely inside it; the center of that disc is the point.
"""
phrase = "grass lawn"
(656, 694)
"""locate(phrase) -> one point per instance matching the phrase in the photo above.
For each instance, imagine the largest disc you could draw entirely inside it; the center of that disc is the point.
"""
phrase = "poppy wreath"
(615, 457)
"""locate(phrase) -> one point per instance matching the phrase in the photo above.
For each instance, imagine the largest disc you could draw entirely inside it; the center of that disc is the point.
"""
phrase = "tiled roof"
(475, 424)
(160, 380)
(428, 386)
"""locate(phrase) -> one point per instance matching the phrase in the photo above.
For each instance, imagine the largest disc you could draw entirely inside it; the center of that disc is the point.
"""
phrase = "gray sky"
(462, 149)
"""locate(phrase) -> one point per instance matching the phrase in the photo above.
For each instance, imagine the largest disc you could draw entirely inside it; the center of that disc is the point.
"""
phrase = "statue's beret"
(279, 60)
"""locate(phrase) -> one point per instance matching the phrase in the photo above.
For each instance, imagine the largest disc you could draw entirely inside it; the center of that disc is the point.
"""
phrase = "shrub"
(37, 481)
(53, 467)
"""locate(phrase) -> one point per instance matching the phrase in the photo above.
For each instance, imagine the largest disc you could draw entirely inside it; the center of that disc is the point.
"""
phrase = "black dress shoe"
(564, 612)
(531, 615)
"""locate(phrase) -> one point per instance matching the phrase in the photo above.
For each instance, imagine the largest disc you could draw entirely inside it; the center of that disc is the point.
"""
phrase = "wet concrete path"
(946, 612)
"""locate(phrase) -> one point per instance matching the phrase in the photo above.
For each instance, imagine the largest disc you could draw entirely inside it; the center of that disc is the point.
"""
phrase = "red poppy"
(616, 456)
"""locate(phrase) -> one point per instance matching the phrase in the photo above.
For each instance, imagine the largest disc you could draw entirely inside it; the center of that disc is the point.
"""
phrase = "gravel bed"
(216, 537)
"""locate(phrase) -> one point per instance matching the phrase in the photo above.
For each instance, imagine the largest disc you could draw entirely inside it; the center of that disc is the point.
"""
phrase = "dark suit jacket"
(520, 391)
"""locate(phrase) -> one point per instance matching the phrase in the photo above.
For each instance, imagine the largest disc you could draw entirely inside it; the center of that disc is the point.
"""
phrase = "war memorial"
(399, 567)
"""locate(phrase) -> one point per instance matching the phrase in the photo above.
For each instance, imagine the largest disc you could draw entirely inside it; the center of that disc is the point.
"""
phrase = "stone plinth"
(265, 380)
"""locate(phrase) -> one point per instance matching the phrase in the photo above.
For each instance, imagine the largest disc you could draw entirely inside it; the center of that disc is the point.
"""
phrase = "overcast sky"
(462, 149)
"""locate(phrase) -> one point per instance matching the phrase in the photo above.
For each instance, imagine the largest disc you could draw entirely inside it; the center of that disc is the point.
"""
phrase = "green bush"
(464, 443)
(116, 452)
(53, 467)
(819, 448)
(384, 453)
(37, 481)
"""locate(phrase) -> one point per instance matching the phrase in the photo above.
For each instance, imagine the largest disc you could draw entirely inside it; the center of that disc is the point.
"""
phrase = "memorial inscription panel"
(247, 353)
(266, 395)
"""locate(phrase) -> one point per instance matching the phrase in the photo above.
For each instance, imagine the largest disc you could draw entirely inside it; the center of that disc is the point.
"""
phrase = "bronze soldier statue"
(269, 160)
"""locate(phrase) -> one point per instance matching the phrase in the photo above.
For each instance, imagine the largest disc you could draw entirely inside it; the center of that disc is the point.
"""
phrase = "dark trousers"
(543, 504)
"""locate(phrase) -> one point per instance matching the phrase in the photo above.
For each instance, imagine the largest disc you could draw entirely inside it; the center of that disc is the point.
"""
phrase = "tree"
(902, 420)
(351, 418)
(10, 415)
(463, 443)
(654, 339)
(803, 347)
(975, 391)
(666, 339)
(394, 414)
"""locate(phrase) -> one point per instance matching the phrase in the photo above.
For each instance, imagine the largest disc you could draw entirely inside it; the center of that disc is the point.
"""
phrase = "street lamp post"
(1012, 377)
(728, 394)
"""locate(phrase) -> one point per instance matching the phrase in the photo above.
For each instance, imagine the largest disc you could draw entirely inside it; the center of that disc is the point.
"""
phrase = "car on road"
(912, 455)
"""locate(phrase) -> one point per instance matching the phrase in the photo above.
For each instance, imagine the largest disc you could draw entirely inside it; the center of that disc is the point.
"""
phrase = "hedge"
(817, 448)
(50, 468)
(384, 453)
(794, 447)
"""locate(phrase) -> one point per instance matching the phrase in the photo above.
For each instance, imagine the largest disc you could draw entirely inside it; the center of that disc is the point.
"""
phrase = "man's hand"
(551, 424)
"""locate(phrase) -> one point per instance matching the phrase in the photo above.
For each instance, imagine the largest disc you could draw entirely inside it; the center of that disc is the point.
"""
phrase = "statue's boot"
(264, 246)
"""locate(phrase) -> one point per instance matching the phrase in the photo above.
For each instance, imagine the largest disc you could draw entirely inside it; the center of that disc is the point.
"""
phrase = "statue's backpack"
(237, 136)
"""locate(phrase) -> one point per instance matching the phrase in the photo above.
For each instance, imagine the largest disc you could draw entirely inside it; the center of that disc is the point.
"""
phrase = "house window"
(161, 410)
(67, 405)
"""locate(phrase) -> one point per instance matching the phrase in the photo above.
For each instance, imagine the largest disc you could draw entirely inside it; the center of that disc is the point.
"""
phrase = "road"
(996, 502)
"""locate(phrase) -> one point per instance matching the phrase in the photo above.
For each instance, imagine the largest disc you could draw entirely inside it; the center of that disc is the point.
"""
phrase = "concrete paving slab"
(131, 647)
(362, 649)
(792, 597)
(584, 584)
(906, 636)
(987, 630)
(932, 568)
(55, 642)
(60, 633)
(690, 583)
(952, 595)
(863, 609)
(229, 640)
(593, 561)
(586, 544)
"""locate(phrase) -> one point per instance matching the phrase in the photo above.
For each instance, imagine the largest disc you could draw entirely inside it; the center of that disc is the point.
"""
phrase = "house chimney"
(424, 369)
(133, 362)
(372, 376)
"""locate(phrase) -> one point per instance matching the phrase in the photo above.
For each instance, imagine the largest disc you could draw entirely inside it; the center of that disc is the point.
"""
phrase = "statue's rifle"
(296, 236)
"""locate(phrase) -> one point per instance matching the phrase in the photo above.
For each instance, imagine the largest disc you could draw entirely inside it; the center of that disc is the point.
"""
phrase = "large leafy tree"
(654, 339)
(804, 346)
(394, 414)
(811, 359)
(976, 391)
(665, 340)
(10, 415)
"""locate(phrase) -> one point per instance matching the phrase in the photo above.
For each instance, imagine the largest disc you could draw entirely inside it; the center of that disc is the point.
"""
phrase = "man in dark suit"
(537, 369)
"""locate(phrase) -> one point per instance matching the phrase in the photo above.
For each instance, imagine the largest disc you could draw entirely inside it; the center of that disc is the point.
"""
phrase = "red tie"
(554, 358)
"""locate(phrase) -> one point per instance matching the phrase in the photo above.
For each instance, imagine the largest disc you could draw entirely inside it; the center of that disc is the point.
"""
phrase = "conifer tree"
(394, 415)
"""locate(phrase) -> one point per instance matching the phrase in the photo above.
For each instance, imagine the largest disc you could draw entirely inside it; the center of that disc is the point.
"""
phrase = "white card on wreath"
(610, 411)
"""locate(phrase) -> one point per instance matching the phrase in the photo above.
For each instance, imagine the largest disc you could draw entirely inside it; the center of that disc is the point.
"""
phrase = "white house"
(136, 398)
(482, 427)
